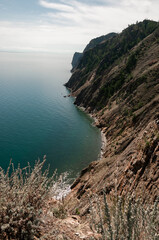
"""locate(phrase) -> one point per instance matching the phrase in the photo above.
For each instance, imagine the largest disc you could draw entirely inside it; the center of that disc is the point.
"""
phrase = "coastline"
(95, 122)
(103, 137)
(64, 188)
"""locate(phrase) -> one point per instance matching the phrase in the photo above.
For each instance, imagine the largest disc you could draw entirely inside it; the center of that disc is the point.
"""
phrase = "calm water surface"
(35, 118)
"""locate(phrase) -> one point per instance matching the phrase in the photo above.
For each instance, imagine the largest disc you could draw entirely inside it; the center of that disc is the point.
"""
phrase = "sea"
(37, 120)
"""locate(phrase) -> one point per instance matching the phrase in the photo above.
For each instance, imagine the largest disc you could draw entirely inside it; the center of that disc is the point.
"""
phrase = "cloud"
(80, 13)
(69, 26)
(16, 36)
(56, 6)
(136, 3)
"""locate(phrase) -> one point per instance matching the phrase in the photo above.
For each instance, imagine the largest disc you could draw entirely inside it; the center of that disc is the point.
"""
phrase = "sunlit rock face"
(117, 81)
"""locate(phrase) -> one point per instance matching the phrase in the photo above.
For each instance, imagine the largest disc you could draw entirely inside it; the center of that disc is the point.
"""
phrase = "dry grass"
(125, 219)
(23, 195)
(26, 212)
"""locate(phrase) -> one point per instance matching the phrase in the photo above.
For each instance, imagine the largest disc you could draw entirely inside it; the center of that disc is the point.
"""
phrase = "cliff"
(76, 59)
(118, 82)
(93, 43)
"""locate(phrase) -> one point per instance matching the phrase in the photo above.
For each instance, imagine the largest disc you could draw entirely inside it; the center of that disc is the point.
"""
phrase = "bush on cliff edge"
(23, 195)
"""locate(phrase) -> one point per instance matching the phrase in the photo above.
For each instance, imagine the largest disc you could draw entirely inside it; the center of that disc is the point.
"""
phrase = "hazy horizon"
(62, 26)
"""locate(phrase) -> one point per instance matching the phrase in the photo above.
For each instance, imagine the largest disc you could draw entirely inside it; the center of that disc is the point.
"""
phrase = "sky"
(66, 25)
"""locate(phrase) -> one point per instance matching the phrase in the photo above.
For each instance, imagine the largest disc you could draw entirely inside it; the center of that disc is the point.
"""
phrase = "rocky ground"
(59, 224)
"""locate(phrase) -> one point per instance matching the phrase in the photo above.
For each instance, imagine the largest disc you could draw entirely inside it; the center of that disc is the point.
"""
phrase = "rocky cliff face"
(118, 82)
(76, 59)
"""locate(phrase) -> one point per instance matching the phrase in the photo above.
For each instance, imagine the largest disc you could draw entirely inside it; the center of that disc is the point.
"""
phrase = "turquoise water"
(35, 118)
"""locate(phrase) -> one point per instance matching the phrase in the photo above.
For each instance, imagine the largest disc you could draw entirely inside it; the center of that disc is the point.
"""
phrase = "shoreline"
(64, 188)
(95, 120)
(103, 138)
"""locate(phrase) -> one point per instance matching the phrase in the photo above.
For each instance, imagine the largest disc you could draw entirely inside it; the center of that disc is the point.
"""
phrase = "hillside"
(93, 43)
(118, 82)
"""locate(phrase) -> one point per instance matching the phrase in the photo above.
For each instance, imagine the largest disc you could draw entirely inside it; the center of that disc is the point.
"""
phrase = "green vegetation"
(77, 211)
(107, 53)
(94, 42)
(131, 63)
(137, 106)
(117, 82)
(133, 86)
(104, 56)
(60, 211)
(134, 118)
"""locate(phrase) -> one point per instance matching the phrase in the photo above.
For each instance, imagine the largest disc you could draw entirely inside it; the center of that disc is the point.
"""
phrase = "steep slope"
(118, 82)
(96, 41)
(93, 43)
(76, 59)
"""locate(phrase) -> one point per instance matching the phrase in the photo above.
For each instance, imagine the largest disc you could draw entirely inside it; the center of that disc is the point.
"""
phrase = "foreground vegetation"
(125, 218)
(25, 193)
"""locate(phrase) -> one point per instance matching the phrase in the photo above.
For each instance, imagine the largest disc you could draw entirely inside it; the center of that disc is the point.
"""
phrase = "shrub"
(125, 219)
(134, 118)
(23, 194)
